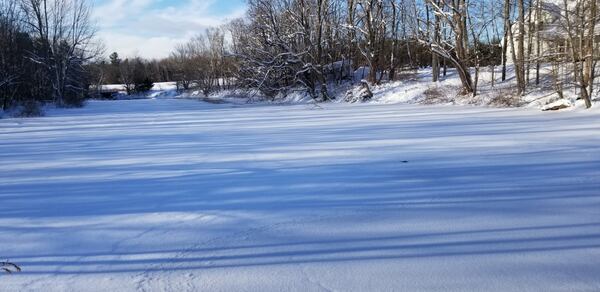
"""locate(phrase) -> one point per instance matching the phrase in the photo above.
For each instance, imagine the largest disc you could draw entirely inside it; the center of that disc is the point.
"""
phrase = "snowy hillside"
(181, 195)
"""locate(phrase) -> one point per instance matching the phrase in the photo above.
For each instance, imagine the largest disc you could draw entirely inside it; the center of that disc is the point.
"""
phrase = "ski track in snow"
(180, 195)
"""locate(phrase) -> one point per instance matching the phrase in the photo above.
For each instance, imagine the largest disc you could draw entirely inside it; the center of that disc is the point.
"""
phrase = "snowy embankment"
(180, 195)
(415, 87)
(412, 87)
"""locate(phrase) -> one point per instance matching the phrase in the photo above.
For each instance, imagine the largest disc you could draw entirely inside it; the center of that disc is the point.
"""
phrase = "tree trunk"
(589, 65)
(507, 33)
(538, 28)
(520, 54)
(435, 61)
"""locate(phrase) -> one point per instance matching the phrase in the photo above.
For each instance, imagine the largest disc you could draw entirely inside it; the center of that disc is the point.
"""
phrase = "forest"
(49, 52)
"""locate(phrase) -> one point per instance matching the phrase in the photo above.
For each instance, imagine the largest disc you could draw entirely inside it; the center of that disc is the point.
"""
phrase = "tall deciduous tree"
(64, 42)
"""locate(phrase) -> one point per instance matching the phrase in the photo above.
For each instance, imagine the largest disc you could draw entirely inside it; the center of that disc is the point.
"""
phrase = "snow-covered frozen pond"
(180, 195)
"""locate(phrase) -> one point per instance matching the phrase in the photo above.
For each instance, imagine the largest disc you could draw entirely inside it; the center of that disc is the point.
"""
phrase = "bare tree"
(281, 46)
(580, 19)
(371, 25)
(11, 58)
(455, 50)
(64, 35)
(478, 26)
(127, 73)
(183, 62)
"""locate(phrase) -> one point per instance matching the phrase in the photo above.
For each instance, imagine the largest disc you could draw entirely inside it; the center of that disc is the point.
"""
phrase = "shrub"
(144, 85)
(434, 96)
(505, 98)
(29, 108)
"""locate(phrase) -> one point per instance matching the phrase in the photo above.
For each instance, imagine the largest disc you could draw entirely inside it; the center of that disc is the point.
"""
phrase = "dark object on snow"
(9, 267)
(108, 93)
(365, 91)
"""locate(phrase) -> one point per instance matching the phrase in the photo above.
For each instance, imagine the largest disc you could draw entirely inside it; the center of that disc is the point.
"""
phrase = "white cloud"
(128, 45)
(114, 11)
(150, 29)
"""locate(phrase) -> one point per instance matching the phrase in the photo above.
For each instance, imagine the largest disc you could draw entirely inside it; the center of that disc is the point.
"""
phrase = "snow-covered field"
(181, 195)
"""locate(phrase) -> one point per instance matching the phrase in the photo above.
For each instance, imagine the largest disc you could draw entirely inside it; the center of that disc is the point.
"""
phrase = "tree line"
(312, 45)
(284, 43)
(203, 63)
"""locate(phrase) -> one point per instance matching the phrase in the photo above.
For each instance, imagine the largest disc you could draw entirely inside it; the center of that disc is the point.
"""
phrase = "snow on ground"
(416, 87)
(410, 86)
(181, 195)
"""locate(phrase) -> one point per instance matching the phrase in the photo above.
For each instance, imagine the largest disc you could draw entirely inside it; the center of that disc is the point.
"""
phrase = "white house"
(551, 27)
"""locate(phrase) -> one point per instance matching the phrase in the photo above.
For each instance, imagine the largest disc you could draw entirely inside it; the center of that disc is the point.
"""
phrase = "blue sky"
(151, 28)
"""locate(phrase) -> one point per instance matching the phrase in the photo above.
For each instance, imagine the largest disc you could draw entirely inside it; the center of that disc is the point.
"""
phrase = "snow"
(562, 103)
(159, 90)
(182, 195)
(156, 86)
(416, 88)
